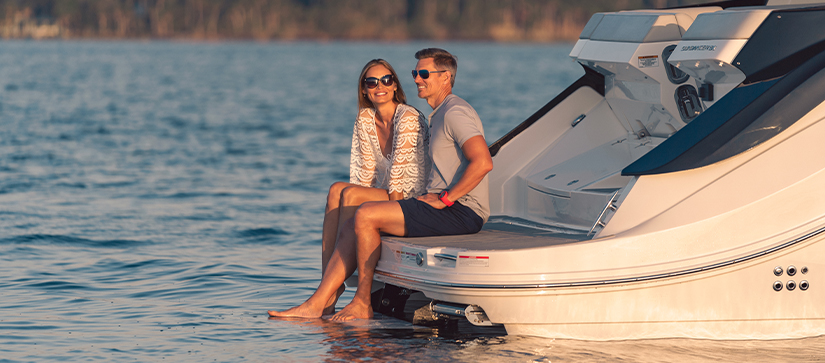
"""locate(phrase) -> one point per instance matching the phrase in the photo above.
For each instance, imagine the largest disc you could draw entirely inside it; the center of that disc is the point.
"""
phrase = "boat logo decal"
(703, 47)
(648, 61)
(473, 261)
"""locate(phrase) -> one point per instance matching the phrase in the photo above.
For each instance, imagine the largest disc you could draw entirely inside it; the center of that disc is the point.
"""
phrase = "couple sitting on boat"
(396, 186)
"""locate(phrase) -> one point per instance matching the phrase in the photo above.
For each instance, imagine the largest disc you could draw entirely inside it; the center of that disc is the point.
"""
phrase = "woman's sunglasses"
(424, 73)
(372, 82)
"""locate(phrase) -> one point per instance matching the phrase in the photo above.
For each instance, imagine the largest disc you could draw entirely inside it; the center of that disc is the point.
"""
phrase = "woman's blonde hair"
(363, 100)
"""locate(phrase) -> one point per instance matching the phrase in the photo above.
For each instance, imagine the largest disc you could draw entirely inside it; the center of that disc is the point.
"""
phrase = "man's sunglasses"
(372, 82)
(424, 73)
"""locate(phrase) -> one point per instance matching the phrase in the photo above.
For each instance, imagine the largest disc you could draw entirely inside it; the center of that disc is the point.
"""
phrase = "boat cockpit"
(649, 75)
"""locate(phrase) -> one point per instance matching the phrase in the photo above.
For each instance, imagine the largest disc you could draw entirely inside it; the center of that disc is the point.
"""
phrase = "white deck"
(497, 236)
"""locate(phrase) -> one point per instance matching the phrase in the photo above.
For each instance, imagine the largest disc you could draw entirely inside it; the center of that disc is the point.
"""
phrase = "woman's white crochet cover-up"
(407, 167)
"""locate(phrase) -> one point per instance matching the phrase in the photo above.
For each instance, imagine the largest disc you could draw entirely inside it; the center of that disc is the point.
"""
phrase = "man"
(457, 201)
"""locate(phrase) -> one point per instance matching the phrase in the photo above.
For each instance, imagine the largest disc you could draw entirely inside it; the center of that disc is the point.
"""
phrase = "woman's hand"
(432, 200)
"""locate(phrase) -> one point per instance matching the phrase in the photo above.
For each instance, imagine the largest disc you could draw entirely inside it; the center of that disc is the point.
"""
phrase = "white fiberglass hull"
(730, 302)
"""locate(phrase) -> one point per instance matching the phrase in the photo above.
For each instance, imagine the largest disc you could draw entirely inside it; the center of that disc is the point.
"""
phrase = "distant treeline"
(501, 20)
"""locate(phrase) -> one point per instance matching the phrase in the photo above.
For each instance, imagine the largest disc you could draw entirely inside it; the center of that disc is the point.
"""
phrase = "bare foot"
(305, 310)
(330, 308)
(355, 310)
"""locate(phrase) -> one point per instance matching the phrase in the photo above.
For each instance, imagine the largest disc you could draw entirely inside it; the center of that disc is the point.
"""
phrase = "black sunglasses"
(424, 73)
(372, 82)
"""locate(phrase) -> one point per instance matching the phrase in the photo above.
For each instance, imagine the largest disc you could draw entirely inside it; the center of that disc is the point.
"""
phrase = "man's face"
(435, 84)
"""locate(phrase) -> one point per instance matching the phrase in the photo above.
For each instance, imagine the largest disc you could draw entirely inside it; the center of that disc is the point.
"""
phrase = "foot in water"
(355, 310)
(305, 310)
(330, 308)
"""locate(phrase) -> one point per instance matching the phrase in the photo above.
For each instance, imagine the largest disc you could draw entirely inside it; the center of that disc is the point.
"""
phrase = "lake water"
(156, 198)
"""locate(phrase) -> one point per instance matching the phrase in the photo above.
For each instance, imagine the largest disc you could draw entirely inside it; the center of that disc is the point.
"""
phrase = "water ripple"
(261, 232)
(57, 285)
(56, 240)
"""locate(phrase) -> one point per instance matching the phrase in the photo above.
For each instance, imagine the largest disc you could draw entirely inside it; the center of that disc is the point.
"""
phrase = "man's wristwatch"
(443, 198)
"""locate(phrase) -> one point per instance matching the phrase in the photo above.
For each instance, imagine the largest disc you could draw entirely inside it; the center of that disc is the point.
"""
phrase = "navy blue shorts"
(422, 220)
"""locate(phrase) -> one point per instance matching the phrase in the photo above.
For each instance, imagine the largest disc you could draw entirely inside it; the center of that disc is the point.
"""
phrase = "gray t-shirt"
(452, 123)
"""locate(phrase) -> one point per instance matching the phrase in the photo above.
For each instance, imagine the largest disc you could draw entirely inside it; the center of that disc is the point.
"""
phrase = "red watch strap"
(443, 198)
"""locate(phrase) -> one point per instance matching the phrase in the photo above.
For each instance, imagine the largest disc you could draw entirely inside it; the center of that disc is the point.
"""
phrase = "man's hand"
(432, 200)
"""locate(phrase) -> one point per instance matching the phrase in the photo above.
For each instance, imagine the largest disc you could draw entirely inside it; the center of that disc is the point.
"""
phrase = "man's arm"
(476, 151)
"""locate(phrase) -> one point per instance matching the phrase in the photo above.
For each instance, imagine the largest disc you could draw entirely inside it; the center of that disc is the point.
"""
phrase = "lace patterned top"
(407, 166)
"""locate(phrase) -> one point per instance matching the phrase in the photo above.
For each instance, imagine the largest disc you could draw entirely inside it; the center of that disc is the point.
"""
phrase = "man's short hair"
(444, 61)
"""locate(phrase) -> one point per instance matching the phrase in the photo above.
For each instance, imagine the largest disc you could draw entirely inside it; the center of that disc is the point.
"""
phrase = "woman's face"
(381, 94)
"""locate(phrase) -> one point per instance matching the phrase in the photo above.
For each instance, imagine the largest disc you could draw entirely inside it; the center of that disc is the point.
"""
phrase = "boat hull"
(731, 302)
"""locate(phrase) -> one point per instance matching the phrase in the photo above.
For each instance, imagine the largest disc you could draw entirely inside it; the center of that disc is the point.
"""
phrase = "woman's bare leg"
(351, 198)
(331, 219)
(329, 234)
(342, 261)
(341, 265)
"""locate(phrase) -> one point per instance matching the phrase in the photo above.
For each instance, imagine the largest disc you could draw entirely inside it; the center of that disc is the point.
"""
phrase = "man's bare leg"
(341, 265)
(370, 220)
(349, 198)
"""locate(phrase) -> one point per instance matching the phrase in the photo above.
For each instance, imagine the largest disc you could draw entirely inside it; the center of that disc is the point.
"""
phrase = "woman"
(389, 158)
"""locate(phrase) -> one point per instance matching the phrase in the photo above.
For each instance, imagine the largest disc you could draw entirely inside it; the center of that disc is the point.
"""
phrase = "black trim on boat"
(786, 39)
(610, 282)
(591, 79)
(725, 4)
(745, 117)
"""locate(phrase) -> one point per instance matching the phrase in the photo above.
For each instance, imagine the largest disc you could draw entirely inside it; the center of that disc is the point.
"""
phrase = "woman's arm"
(362, 160)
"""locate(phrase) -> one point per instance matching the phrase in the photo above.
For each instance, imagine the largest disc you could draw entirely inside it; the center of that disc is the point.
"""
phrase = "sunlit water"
(157, 198)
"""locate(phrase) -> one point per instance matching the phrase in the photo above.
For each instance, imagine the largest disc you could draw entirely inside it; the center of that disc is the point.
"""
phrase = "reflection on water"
(387, 340)
(157, 198)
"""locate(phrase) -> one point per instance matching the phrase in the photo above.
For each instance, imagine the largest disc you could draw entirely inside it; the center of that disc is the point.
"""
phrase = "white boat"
(675, 190)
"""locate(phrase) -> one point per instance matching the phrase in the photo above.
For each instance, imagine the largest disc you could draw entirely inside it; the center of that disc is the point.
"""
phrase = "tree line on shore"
(499, 20)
